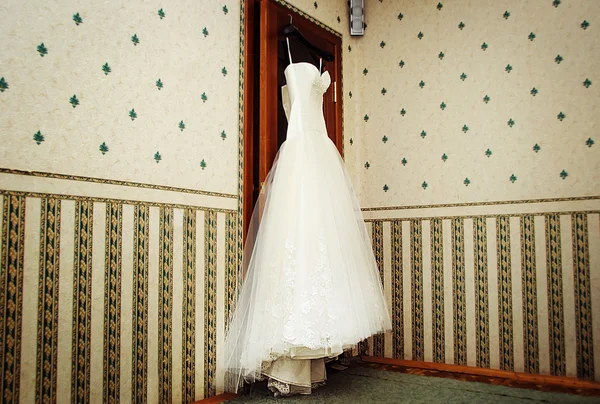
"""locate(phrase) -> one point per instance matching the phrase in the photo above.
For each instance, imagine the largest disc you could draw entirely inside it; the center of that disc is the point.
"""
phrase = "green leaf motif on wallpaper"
(367, 165)
(506, 15)
(74, 101)
(558, 59)
(366, 118)
(384, 139)
(404, 161)
(383, 91)
(225, 10)
(467, 181)
(488, 153)
(401, 64)
(157, 157)
(420, 35)
(203, 164)
(513, 178)
(316, 5)
(423, 134)
(465, 128)
(443, 105)
(561, 116)
(463, 76)
(422, 84)
(563, 174)
(224, 71)
(510, 122)
(159, 84)
(3, 85)
(223, 135)
(77, 18)
(400, 16)
(42, 50)
(484, 46)
(556, 3)
(351, 142)
(349, 48)
(103, 148)
(181, 126)
(106, 69)
(531, 36)
(534, 91)
(486, 99)
(382, 44)
(350, 94)
(587, 83)
(132, 114)
(205, 32)
(424, 185)
(508, 68)
(590, 142)
(365, 71)
(444, 157)
(204, 97)
(439, 6)
(339, 20)
(38, 137)
(536, 148)
(585, 24)
(161, 13)
(441, 55)
(461, 25)
(385, 188)
(402, 112)
(135, 39)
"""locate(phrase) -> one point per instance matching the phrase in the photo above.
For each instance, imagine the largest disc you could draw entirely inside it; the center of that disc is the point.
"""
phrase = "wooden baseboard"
(472, 370)
(217, 399)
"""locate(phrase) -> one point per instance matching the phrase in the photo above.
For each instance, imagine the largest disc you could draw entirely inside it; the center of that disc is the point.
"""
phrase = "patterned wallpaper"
(465, 101)
(464, 105)
(149, 93)
(118, 185)
(508, 291)
(112, 301)
(135, 91)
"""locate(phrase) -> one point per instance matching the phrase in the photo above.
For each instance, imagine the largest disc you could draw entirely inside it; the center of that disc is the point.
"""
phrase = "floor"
(499, 381)
(376, 383)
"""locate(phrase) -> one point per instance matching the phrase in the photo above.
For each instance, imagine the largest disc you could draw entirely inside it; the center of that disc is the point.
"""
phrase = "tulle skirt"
(312, 287)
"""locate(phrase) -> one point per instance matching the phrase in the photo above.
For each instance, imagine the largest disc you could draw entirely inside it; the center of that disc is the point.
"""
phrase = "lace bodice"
(303, 96)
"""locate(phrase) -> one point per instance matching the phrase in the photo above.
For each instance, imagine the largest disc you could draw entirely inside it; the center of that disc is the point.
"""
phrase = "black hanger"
(290, 31)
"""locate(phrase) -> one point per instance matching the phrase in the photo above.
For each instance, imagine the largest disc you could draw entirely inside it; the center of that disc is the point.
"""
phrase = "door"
(266, 58)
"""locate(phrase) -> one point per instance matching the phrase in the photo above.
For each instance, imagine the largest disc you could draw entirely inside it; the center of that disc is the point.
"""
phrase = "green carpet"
(358, 385)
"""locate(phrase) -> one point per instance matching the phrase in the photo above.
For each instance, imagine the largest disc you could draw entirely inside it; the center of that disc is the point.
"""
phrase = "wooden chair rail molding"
(472, 370)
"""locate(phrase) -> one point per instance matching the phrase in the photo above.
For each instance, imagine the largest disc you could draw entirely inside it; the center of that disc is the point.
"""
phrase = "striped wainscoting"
(113, 300)
(500, 288)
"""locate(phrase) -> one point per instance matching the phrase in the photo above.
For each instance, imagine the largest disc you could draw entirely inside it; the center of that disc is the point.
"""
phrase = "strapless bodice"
(303, 96)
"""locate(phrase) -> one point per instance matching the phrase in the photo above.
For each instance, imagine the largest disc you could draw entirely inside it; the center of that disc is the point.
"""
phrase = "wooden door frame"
(263, 61)
(250, 10)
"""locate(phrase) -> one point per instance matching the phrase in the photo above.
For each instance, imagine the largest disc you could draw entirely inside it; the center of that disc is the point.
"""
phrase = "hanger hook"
(290, 19)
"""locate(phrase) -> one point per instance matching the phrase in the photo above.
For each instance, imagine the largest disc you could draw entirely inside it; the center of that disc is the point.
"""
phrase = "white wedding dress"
(312, 287)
